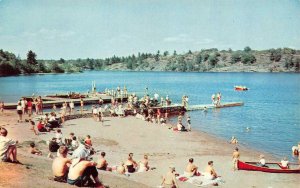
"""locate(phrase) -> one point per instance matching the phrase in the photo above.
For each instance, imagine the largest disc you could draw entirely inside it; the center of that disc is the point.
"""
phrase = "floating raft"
(209, 106)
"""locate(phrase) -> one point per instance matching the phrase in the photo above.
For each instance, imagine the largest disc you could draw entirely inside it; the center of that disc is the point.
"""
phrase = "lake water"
(271, 110)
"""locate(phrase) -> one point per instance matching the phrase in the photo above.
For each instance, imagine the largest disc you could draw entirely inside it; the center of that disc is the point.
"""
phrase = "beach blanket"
(199, 181)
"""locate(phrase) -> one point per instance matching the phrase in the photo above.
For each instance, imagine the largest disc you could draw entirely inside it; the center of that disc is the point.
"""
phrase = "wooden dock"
(49, 101)
(210, 106)
(176, 108)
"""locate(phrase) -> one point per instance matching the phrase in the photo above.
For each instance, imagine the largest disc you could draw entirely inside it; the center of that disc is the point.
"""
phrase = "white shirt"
(19, 107)
(95, 111)
(262, 161)
(4, 144)
(284, 163)
(71, 105)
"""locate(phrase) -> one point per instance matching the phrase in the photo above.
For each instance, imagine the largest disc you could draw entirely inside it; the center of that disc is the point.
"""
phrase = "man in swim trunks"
(210, 172)
(169, 180)
(235, 158)
(80, 173)
(191, 168)
(8, 149)
(102, 163)
(60, 165)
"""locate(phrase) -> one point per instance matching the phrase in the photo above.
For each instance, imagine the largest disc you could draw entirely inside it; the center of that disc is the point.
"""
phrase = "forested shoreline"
(205, 60)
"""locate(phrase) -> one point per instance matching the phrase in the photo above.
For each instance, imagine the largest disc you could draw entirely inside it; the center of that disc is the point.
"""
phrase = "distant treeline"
(200, 61)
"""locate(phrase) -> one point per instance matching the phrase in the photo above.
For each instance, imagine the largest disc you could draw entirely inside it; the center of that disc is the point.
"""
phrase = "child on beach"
(32, 127)
(58, 136)
(74, 143)
(88, 140)
(34, 150)
(189, 123)
(235, 158)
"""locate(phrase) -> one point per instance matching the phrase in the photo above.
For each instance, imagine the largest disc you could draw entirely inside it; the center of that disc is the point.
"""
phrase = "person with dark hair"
(80, 173)
(88, 140)
(60, 165)
(8, 149)
(41, 127)
(20, 111)
(34, 150)
(33, 127)
(130, 164)
(210, 172)
(102, 163)
(191, 169)
(235, 158)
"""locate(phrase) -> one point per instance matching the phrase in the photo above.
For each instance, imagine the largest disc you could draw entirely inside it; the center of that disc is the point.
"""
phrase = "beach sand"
(119, 136)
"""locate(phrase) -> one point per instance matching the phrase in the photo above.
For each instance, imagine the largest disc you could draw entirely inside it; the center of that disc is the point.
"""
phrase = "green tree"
(174, 53)
(275, 55)
(247, 49)
(236, 57)
(166, 53)
(56, 68)
(247, 58)
(297, 65)
(198, 59)
(213, 59)
(157, 56)
(31, 58)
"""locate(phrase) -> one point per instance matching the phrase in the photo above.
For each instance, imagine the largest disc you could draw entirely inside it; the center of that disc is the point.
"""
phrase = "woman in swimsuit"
(130, 164)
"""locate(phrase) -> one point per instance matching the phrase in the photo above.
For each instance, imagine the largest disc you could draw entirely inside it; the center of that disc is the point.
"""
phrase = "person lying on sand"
(8, 149)
(60, 165)
(169, 180)
(130, 164)
(81, 171)
(102, 163)
(191, 169)
(34, 150)
(210, 172)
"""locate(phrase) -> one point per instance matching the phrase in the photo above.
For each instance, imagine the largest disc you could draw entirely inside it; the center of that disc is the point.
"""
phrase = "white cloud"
(49, 34)
(182, 38)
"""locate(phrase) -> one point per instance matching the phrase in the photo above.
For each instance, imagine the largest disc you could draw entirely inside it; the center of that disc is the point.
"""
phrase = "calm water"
(271, 110)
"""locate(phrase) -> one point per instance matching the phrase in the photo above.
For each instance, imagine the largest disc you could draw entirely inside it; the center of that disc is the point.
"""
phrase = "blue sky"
(73, 29)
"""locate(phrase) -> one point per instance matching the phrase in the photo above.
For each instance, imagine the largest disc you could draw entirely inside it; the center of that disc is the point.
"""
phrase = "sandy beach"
(119, 136)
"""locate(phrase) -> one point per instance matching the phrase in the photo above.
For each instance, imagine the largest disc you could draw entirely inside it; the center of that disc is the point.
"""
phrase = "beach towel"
(199, 181)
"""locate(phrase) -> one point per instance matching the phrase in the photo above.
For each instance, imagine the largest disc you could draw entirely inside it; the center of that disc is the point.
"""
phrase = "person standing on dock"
(81, 106)
(213, 99)
(219, 98)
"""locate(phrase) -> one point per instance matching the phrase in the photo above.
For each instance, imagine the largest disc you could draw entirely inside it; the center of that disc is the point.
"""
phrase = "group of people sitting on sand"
(169, 180)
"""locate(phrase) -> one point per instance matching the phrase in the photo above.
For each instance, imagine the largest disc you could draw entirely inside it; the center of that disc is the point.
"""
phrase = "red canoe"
(271, 167)
(240, 88)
